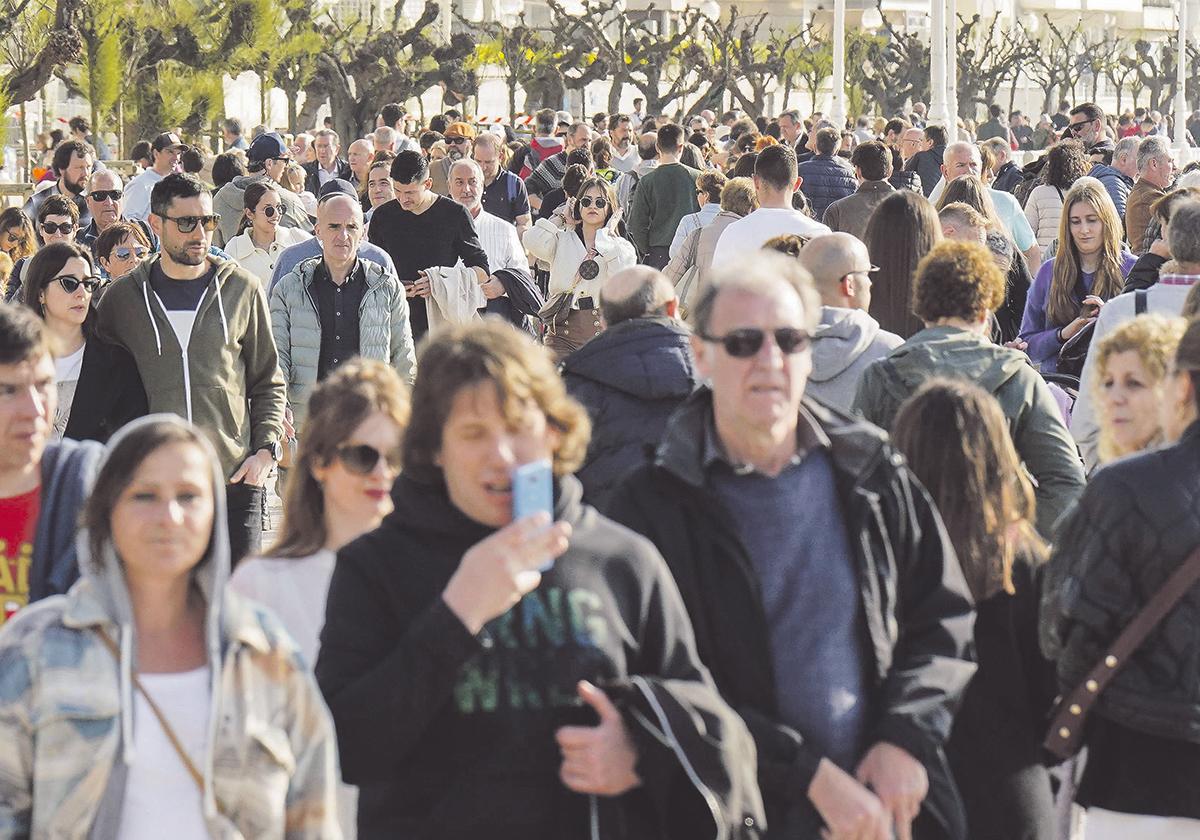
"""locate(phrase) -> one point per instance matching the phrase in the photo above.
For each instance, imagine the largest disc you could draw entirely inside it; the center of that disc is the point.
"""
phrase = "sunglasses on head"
(106, 195)
(124, 253)
(362, 458)
(744, 343)
(588, 201)
(271, 209)
(187, 224)
(71, 284)
(62, 227)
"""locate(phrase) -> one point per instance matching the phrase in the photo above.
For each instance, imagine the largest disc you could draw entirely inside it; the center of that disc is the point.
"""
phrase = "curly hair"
(1066, 162)
(957, 280)
(1154, 339)
(523, 374)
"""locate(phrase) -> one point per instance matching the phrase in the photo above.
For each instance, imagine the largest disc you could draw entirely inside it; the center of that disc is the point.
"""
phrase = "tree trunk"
(1012, 94)
(512, 98)
(122, 145)
(614, 93)
(28, 176)
(263, 97)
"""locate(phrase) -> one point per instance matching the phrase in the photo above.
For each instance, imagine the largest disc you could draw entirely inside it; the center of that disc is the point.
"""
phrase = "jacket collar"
(875, 187)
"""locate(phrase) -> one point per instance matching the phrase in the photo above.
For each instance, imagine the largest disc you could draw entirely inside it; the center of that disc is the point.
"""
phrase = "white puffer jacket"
(1043, 209)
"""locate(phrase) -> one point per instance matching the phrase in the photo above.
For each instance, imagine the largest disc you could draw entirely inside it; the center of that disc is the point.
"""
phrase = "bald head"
(841, 270)
(339, 229)
(637, 292)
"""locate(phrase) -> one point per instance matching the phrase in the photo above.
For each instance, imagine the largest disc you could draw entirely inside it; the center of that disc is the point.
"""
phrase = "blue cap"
(267, 146)
(337, 186)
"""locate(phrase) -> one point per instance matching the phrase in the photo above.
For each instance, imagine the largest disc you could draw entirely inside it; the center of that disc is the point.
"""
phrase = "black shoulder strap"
(1140, 301)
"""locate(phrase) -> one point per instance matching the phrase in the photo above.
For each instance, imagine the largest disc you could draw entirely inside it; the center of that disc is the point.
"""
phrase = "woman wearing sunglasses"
(99, 388)
(260, 237)
(582, 246)
(120, 248)
(340, 489)
(16, 240)
(57, 221)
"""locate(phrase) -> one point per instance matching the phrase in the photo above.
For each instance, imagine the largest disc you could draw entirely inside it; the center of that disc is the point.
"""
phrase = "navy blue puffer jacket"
(629, 378)
(826, 179)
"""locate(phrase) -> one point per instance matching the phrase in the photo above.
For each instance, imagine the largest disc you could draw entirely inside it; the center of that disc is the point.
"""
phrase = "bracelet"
(1059, 335)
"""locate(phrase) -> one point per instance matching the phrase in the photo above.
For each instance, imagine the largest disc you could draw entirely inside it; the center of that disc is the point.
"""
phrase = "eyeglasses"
(271, 209)
(125, 253)
(15, 238)
(456, 140)
(1075, 128)
(361, 459)
(744, 343)
(588, 201)
(62, 227)
(105, 195)
(71, 284)
(187, 224)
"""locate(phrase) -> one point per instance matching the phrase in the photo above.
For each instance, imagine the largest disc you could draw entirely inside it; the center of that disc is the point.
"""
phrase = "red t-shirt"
(18, 519)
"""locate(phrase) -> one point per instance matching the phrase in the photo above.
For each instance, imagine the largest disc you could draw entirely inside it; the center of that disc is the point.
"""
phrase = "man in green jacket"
(664, 195)
(955, 291)
(199, 330)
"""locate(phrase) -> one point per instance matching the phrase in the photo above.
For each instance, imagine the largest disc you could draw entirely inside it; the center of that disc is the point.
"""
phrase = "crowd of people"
(852, 450)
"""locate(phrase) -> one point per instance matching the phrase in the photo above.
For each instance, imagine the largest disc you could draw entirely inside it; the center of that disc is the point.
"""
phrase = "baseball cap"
(460, 129)
(167, 140)
(564, 118)
(336, 186)
(267, 146)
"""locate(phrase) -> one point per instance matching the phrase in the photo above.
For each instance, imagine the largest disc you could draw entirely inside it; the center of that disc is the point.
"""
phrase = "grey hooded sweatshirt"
(1037, 427)
(846, 341)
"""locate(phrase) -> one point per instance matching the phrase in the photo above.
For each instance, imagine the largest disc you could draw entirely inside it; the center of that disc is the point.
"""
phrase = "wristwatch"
(275, 448)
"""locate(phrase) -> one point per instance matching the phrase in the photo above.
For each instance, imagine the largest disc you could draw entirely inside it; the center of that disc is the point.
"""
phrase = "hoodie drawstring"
(221, 307)
(150, 314)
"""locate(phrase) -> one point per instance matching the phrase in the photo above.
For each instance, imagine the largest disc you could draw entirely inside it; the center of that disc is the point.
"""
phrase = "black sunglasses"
(187, 224)
(106, 195)
(744, 343)
(62, 227)
(588, 201)
(361, 459)
(1075, 128)
(271, 209)
(456, 140)
(71, 284)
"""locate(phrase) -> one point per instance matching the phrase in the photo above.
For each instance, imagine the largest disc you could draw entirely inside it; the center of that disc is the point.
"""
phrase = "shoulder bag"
(1067, 723)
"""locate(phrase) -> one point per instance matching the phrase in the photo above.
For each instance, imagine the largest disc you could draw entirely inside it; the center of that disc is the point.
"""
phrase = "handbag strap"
(1079, 702)
(188, 764)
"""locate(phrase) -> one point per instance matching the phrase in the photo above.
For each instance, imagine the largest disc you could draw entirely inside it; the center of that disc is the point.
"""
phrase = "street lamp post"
(952, 69)
(938, 111)
(837, 107)
(1181, 143)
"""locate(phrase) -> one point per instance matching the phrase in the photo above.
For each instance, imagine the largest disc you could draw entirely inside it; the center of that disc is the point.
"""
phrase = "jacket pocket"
(259, 783)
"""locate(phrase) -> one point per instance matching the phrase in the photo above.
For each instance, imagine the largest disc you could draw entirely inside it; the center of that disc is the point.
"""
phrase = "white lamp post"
(837, 105)
(1181, 143)
(938, 111)
(952, 69)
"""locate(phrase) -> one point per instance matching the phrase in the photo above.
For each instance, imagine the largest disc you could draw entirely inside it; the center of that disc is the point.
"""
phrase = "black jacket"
(630, 378)
(521, 302)
(904, 179)
(451, 736)
(826, 179)
(1007, 177)
(312, 181)
(1144, 273)
(109, 393)
(1136, 523)
(928, 164)
(907, 572)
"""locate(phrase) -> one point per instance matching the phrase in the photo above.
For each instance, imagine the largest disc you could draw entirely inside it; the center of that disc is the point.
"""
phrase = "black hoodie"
(451, 735)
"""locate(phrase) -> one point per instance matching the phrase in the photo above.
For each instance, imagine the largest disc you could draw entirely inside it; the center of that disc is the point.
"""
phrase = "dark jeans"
(244, 504)
(657, 257)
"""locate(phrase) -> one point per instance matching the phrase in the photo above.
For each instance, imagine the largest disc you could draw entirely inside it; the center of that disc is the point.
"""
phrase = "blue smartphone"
(533, 491)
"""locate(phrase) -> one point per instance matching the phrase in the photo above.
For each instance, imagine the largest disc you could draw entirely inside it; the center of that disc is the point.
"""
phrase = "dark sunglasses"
(187, 224)
(105, 195)
(15, 238)
(744, 343)
(1075, 128)
(456, 140)
(138, 251)
(62, 227)
(588, 201)
(71, 284)
(361, 459)
(271, 209)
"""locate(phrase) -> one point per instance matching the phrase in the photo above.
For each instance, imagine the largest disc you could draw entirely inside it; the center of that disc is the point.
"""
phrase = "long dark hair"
(958, 445)
(901, 230)
(40, 272)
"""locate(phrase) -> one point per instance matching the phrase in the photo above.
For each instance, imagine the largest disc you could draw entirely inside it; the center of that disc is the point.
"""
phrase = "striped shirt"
(500, 242)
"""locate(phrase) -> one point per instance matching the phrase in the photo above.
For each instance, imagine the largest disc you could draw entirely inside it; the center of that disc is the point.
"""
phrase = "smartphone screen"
(533, 491)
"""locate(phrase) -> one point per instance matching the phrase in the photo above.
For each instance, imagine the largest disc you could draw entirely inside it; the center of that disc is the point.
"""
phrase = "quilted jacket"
(384, 332)
(1043, 209)
(826, 179)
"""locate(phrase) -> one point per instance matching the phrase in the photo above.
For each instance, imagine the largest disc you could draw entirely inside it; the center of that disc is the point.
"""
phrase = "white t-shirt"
(159, 791)
(137, 194)
(748, 234)
(66, 379)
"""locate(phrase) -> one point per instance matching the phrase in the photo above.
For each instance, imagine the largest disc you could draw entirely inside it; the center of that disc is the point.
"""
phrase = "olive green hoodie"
(227, 382)
(1036, 423)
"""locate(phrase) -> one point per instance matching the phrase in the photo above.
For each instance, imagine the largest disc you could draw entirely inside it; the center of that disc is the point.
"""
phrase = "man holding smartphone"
(422, 230)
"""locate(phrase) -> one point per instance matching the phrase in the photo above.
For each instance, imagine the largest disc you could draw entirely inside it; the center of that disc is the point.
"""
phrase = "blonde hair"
(1154, 339)
(1061, 306)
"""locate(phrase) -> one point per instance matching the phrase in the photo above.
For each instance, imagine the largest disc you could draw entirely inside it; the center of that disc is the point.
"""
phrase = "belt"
(584, 303)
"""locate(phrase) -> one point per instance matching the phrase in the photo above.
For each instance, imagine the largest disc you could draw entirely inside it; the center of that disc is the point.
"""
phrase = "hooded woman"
(146, 696)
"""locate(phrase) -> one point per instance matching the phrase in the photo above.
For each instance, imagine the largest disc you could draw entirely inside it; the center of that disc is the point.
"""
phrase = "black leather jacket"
(1136, 522)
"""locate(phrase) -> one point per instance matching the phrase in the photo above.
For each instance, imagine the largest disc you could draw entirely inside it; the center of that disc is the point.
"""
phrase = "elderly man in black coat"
(629, 377)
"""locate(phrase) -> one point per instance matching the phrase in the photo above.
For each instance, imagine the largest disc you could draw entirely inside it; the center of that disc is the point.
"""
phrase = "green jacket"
(1037, 427)
(664, 195)
(228, 382)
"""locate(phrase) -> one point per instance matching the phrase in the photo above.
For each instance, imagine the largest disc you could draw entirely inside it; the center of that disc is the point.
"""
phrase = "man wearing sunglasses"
(104, 200)
(663, 197)
(1087, 126)
(165, 150)
(199, 330)
(458, 138)
(782, 522)
(268, 160)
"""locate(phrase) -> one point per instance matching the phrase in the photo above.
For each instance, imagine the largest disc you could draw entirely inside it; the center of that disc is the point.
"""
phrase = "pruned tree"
(1121, 70)
(888, 69)
(990, 55)
(522, 50)
(1053, 60)
(810, 60)
(763, 65)
(1155, 65)
(718, 39)
(666, 68)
